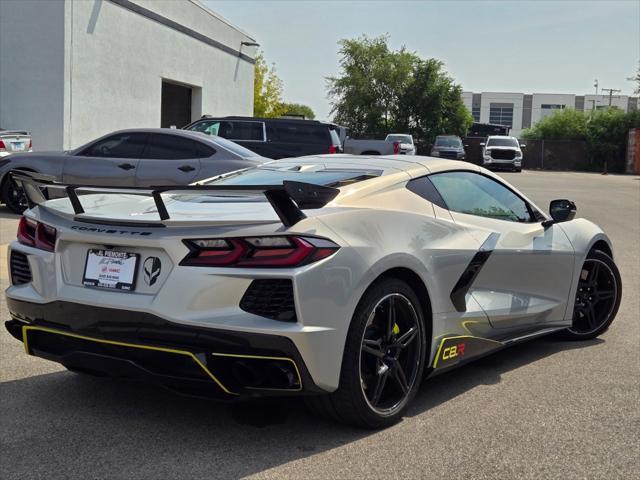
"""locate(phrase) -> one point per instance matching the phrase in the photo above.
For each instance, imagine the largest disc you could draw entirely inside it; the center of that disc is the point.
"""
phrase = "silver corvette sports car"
(343, 279)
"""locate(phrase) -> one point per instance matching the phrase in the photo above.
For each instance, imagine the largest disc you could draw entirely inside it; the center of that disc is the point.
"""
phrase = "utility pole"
(611, 92)
(595, 84)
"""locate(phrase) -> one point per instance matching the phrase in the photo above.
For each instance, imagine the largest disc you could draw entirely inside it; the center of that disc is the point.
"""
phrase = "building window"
(501, 114)
(475, 112)
(547, 109)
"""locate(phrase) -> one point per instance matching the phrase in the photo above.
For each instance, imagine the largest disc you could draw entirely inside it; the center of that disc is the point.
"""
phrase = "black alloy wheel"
(390, 353)
(384, 358)
(13, 197)
(597, 299)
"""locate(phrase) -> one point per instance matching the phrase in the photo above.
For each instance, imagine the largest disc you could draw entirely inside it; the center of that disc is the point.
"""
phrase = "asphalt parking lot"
(546, 409)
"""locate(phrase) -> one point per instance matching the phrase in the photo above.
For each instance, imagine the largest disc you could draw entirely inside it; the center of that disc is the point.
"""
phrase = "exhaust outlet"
(246, 374)
(279, 376)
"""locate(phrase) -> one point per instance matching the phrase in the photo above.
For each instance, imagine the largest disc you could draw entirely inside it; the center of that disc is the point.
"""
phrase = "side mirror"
(482, 144)
(560, 211)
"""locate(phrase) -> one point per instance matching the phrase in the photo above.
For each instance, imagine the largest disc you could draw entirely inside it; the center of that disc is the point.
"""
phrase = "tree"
(605, 132)
(636, 79)
(380, 90)
(267, 90)
(298, 109)
(568, 124)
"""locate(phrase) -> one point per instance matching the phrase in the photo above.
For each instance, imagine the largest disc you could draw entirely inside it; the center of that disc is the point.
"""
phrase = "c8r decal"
(453, 350)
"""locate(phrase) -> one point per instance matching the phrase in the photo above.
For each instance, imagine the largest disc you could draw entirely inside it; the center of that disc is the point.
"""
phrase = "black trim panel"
(470, 273)
(145, 328)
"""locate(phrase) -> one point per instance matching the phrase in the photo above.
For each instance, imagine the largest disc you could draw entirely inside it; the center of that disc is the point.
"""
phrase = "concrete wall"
(119, 59)
(620, 101)
(84, 68)
(32, 69)
(539, 99)
(499, 97)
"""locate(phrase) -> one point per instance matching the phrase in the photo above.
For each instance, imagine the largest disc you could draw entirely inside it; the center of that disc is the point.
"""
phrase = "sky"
(509, 46)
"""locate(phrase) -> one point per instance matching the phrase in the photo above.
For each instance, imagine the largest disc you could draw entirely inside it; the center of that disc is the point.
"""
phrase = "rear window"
(335, 139)
(298, 133)
(275, 176)
(234, 148)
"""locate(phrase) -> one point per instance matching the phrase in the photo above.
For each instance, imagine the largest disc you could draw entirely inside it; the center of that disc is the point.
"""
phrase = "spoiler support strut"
(288, 200)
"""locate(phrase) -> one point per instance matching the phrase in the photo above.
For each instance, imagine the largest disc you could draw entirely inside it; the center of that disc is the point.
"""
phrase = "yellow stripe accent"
(435, 361)
(260, 357)
(27, 328)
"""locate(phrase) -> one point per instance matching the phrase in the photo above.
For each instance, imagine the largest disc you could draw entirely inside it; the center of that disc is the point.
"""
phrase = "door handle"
(126, 166)
(186, 168)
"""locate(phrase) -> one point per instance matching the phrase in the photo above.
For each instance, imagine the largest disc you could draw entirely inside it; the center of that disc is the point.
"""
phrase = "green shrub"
(605, 131)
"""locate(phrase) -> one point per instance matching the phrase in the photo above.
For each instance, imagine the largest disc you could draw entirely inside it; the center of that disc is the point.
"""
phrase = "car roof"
(387, 163)
(203, 137)
(262, 119)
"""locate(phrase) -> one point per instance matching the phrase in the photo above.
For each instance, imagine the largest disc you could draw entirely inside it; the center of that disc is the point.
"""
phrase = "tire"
(372, 393)
(597, 297)
(518, 170)
(12, 197)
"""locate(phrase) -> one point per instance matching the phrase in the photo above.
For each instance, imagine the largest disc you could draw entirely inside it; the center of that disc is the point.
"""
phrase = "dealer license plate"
(111, 269)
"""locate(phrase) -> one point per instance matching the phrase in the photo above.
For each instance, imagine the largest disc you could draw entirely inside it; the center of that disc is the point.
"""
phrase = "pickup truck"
(371, 147)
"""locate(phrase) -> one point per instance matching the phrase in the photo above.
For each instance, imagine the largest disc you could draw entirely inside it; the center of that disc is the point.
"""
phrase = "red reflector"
(36, 234)
(27, 232)
(280, 251)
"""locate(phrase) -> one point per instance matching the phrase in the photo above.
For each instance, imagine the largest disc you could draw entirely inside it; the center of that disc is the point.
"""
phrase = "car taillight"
(36, 234)
(2, 147)
(396, 148)
(333, 149)
(275, 251)
(30, 143)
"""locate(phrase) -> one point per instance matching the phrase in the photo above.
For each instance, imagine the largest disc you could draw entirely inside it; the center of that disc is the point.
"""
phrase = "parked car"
(371, 147)
(448, 146)
(483, 130)
(501, 151)
(274, 137)
(141, 157)
(406, 142)
(14, 141)
(341, 284)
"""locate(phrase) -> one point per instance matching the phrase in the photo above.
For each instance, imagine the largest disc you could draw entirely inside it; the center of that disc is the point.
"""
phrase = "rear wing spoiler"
(288, 200)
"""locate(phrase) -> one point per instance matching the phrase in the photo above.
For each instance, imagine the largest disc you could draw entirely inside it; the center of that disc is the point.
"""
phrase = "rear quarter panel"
(49, 164)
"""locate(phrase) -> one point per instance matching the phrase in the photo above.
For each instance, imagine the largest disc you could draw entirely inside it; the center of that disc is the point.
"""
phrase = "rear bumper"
(141, 346)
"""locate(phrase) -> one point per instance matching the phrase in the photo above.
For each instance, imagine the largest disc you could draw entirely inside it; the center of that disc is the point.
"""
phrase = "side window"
(204, 151)
(210, 127)
(475, 194)
(298, 133)
(248, 131)
(121, 145)
(170, 147)
(424, 188)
